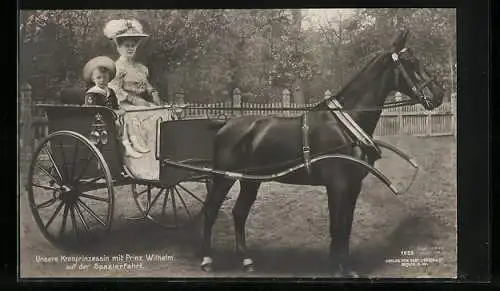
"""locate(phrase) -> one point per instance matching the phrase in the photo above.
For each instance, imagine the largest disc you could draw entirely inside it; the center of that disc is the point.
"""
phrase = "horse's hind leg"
(215, 197)
(246, 198)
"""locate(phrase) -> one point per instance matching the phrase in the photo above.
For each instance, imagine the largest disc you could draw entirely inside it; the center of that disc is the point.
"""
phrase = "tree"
(208, 53)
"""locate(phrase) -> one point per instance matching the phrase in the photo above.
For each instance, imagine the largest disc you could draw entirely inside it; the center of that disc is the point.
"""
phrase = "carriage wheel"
(174, 206)
(70, 190)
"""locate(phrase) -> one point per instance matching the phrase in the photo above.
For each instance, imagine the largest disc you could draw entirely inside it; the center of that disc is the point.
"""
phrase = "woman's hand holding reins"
(156, 98)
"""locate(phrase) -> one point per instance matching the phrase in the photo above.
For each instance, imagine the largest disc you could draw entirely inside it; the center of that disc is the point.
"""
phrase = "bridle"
(418, 90)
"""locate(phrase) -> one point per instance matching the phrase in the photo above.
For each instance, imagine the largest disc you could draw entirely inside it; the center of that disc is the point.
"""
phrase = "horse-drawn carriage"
(76, 167)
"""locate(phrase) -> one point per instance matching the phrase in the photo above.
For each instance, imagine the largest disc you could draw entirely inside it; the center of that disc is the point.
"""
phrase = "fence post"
(298, 95)
(285, 100)
(179, 97)
(236, 101)
(179, 100)
(429, 123)
(453, 104)
(401, 129)
(26, 140)
(328, 94)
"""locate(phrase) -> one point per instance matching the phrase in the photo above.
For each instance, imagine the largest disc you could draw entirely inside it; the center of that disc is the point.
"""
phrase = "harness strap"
(306, 149)
(351, 125)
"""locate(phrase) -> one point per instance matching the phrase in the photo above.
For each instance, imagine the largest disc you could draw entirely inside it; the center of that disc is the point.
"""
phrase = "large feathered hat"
(119, 28)
(98, 62)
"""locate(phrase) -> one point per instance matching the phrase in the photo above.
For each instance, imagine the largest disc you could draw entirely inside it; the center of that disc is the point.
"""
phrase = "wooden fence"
(411, 120)
(408, 120)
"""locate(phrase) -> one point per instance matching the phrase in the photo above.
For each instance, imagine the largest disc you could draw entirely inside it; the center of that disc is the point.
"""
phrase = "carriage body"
(188, 141)
(74, 172)
(84, 120)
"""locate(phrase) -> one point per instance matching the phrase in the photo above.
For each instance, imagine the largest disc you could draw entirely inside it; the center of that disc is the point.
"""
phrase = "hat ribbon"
(128, 26)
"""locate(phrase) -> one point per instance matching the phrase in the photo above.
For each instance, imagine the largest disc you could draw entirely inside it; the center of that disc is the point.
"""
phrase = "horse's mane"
(374, 58)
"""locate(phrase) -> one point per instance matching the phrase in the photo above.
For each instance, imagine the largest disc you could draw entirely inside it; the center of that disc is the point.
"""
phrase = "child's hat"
(98, 62)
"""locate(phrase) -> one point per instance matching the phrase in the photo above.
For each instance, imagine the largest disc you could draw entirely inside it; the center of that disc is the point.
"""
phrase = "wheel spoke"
(84, 168)
(64, 165)
(175, 209)
(46, 203)
(140, 193)
(165, 202)
(82, 219)
(49, 174)
(44, 187)
(183, 203)
(154, 200)
(94, 197)
(73, 165)
(91, 212)
(65, 218)
(58, 209)
(93, 180)
(51, 158)
(191, 193)
(73, 221)
(148, 205)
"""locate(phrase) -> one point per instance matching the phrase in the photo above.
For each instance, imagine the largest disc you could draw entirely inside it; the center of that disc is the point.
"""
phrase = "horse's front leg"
(246, 198)
(341, 203)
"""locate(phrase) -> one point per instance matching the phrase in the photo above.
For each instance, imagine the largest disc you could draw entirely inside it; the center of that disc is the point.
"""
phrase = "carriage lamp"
(99, 134)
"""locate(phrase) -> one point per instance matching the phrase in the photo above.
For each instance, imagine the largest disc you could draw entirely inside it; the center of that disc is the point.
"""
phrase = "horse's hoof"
(207, 268)
(206, 265)
(352, 274)
(248, 266)
(249, 269)
(345, 274)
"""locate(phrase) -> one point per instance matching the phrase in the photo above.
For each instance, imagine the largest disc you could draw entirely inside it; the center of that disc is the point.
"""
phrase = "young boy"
(99, 71)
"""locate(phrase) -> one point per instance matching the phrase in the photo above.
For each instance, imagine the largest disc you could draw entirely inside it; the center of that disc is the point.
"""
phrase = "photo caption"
(419, 257)
(104, 262)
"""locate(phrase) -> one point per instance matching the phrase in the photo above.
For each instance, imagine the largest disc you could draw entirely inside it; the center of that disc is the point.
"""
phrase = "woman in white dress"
(134, 91)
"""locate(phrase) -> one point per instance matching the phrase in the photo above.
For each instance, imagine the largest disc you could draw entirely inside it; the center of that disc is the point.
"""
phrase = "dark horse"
(252, 142)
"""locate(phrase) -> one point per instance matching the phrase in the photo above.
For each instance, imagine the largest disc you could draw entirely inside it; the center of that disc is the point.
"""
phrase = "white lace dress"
(131, 86)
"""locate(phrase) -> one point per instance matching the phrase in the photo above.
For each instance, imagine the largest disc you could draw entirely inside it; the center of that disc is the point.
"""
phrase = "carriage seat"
(72, 95)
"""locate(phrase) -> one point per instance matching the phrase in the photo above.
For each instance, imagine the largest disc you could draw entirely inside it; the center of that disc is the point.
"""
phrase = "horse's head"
(411, 78)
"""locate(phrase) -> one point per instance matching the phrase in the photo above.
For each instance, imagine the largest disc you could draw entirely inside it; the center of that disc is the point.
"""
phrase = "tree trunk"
(298, 94)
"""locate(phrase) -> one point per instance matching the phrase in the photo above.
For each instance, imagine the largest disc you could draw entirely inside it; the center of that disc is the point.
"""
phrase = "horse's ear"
(400, 41)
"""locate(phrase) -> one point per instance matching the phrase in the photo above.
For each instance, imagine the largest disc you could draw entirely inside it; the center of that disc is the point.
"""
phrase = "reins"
(308, 108)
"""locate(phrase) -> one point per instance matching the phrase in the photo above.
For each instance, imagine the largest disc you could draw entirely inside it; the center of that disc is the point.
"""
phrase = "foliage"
(208, 53)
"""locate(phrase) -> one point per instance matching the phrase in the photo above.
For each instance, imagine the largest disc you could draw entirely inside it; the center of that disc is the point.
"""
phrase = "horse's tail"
(238, 132)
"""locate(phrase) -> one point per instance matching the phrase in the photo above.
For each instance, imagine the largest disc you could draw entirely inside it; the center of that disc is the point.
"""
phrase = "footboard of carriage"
(188, 142)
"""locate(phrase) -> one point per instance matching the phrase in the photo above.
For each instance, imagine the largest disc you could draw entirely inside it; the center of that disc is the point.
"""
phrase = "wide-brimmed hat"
(121, 28)
(98, 62)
